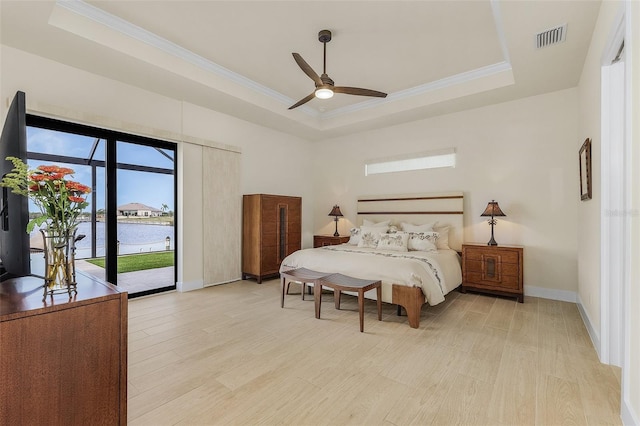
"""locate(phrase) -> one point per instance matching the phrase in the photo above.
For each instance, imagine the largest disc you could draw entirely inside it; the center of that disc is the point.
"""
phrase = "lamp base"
(492, 241)
(335, 234)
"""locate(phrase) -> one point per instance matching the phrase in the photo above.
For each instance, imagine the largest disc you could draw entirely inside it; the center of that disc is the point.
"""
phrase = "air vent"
(551, 36)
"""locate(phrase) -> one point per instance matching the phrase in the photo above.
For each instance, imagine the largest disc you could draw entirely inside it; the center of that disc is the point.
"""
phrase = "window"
(420, 161)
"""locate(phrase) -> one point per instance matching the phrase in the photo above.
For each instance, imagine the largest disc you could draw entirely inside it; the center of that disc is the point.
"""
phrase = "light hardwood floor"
(230, 355)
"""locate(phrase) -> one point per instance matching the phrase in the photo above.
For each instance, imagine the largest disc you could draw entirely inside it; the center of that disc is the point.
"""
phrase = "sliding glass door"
(145, 217)
(128, 233)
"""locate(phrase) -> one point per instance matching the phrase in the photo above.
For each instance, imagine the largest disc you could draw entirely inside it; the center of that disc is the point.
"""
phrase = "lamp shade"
(493, 209)
(335, 211)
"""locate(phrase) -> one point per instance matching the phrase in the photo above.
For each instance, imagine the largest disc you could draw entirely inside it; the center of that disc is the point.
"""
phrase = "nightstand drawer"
(329, 240)
(503, 281)
(505, 256)
(506, 268)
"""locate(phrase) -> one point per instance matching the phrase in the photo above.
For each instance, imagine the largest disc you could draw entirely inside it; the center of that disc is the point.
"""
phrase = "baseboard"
(189, 285)
(198, 285)
(223, 282)
(593, 333)
(550, 293)
(628, 415)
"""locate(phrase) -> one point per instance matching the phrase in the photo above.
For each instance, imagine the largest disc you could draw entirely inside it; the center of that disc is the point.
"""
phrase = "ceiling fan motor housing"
(324, 36)
(326, 80)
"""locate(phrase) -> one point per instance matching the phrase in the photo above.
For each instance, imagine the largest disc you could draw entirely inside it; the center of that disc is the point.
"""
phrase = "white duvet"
(437, 273)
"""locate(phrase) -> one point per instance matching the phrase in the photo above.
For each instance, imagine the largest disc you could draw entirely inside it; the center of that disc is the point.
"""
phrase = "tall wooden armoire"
(271, 230)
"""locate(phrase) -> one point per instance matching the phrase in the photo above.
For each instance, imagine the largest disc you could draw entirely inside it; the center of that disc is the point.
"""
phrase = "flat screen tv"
(14, 209)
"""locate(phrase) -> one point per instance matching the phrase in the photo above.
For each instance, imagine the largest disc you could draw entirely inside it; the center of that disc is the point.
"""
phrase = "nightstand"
(329, 240)
(493, 269)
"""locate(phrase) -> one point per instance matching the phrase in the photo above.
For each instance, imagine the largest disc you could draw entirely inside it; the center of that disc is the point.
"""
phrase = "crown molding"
(443, 83)
(124, 27)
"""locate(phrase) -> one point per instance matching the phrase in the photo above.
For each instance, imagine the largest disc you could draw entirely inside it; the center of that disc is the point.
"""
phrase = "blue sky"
(151, 189)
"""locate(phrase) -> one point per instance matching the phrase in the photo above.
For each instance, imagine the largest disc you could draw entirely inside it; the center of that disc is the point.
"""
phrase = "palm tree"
(164, 208)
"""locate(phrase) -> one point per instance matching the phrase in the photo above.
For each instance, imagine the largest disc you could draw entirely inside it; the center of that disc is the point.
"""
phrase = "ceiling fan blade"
(307, 69)
(303, 101)
(360, 92)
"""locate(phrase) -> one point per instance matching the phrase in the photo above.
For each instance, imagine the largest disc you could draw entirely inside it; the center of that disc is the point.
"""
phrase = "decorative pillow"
(367, 222)
(408, 227)
(355, 236)
(392, 229)
(370, 235)
(443, 239)
(422, 241)
(394, 242)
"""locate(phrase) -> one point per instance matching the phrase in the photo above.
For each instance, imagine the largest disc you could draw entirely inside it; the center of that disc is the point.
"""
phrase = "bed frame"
(447, 208)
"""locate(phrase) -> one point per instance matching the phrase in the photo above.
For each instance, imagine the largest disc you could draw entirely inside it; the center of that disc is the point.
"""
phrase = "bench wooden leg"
(379, 297)
(317, 297)
(336, 298)
(361, 309)
(282, 287)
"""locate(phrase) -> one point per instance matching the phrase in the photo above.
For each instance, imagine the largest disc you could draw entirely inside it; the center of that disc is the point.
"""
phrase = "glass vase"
(59, 262)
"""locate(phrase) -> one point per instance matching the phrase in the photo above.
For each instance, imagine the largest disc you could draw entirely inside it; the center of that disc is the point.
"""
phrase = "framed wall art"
(585, 170)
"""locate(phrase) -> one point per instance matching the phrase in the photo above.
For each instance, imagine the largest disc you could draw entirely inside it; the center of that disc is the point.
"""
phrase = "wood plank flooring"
(230, 355)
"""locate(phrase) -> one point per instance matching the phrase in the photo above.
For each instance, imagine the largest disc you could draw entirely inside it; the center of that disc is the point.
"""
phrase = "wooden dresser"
(493, 269)
(271, 230)
(329, 240)
(63, 362)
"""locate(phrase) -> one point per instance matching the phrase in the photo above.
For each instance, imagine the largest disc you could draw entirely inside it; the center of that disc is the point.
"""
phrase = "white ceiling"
(431, 57)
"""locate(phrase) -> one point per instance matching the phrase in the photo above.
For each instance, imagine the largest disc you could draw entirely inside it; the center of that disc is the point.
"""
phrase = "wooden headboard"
(444, 207)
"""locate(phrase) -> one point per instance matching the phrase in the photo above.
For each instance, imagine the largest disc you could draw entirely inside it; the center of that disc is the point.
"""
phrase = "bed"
(424, 273)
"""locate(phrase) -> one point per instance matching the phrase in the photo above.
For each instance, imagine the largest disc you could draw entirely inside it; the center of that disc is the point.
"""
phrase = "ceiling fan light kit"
(325, 87)
(324, 93)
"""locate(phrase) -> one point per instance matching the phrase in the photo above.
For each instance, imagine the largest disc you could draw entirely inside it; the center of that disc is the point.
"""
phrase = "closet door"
(222, 224)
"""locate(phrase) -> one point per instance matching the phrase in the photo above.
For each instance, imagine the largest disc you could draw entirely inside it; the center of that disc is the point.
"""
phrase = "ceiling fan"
(324, 85)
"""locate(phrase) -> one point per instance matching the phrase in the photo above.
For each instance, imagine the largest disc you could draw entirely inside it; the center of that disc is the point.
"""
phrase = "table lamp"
(336, 213)
(493, 209)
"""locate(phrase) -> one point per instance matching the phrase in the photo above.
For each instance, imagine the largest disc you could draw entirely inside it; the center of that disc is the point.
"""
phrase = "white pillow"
(355, 236)
(408, 227)
(394, 242)
(443, 239)
(370, 235)
(366, 222)
(422, 241)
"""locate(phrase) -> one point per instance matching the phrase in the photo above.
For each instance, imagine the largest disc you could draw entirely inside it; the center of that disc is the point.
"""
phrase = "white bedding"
(437, 273)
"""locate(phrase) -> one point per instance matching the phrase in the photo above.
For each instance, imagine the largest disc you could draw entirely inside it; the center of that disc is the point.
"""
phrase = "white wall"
(272, 162)
(631, 371)
(520, 153)
(589, 127)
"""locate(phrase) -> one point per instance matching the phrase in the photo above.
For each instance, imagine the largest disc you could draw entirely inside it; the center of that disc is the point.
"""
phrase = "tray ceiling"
(431, 57)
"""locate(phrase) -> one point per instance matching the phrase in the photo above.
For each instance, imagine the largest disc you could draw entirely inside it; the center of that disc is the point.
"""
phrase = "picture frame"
(585, 170)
